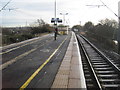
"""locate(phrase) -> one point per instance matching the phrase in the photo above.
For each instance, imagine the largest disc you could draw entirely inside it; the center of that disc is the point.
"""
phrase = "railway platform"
(66, 63)
(70, 73)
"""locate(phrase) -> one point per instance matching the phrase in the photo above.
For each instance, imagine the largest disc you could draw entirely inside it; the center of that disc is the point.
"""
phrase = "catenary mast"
(118, 34)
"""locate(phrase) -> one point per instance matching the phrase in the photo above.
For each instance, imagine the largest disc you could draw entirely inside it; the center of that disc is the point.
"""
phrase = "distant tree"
(111, 23)
(107, 28)
(40, 22)
(78, 27)
(40, 26)
(89, 26)
(104, 32)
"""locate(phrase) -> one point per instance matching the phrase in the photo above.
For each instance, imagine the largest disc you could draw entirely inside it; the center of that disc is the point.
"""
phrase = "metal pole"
(64, 18)
(118, 37)
(55, 24)
(118, 33)
(55, 8)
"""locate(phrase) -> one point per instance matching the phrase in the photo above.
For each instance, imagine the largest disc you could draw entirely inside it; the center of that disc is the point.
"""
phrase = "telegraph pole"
(118, 36)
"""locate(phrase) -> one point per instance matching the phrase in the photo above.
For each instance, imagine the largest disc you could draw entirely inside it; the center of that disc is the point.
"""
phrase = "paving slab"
(70, 73)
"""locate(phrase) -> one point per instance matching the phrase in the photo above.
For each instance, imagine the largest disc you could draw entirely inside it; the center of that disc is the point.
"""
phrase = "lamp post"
(55, 21)
(64, 17)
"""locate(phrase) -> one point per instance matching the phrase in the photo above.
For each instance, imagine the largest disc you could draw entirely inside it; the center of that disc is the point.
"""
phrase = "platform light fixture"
(64, 17)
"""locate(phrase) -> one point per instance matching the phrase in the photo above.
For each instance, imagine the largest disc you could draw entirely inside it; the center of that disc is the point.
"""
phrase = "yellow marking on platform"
(39, 69)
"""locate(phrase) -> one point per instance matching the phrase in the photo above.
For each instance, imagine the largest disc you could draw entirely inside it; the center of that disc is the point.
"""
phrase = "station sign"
(53, 20)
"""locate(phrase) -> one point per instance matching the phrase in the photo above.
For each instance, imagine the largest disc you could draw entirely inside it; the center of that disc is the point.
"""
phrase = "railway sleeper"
(85, 68)
(93, 55)
(102, 69)
(90, 85)
(87, 75)
(107, 76)
(100, 66)
(89, 81)
(110, 81)
(96, 61)
(105, 72)
(86, 71)
(109, 86)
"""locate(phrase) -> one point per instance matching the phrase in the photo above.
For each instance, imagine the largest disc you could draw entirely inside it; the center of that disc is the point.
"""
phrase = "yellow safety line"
(39, 69)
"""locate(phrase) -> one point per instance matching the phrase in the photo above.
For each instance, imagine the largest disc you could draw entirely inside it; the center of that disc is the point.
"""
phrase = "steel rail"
(102, 70)
(98, 85)
(103, 55)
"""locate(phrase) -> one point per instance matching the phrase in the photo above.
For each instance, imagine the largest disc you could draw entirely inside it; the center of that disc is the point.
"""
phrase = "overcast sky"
(31, 10)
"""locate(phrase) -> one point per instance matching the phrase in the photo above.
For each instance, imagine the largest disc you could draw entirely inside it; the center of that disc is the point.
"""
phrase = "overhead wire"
(109, 8)
(5, 5)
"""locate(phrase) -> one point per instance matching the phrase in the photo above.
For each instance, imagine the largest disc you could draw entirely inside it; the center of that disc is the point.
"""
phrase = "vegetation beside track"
(104, 33)
(17, 34)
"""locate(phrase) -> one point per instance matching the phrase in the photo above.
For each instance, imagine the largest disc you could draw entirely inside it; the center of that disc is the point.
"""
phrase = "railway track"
(100, 72)
(114, 59)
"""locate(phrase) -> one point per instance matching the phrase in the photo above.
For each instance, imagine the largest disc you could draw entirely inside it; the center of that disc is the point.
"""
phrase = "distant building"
(63, 30)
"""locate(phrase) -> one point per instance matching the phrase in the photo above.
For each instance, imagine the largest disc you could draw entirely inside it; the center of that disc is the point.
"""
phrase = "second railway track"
(100, 72)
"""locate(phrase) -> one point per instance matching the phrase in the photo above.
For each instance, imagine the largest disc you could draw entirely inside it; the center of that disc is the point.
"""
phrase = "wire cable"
(109, 9)
(5, 5)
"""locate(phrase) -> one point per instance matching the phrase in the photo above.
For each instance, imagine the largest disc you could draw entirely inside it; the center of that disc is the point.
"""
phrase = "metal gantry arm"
(64, 17)
(5, 5)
